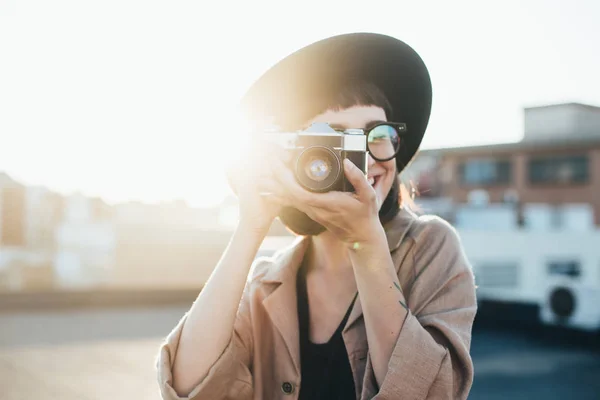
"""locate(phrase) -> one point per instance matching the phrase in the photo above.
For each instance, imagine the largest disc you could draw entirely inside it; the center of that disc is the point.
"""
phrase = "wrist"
(371, 255)
(373, 239)
(253, 229)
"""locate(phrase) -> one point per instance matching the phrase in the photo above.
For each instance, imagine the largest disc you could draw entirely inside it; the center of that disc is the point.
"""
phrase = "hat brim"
(297, 88)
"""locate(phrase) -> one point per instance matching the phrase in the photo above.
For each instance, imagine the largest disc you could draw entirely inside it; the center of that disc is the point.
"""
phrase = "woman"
(371, 301)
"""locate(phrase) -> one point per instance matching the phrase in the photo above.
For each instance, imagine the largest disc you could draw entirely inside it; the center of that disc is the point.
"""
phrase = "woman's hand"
(351, 217)
(250, 179)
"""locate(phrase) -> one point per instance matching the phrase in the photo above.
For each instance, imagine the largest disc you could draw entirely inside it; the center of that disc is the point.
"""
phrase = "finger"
(284, 155)
(271, 191)
(334, 201)
(275, 200)
(268, 152)
(232, 176)
(268, 186)
(303, 198)
(357, 178)
(297, 193)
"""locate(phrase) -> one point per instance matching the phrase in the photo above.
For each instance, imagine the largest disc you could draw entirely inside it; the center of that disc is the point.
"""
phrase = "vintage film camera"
(318, 152)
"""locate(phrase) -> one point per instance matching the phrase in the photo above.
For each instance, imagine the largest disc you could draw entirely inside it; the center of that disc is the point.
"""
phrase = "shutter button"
(287, 387)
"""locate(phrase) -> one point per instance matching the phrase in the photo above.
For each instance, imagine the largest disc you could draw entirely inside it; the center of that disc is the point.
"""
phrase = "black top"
(325, 368)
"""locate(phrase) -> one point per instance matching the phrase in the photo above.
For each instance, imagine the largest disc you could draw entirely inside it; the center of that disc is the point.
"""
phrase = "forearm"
(383, 304)
(209, 324)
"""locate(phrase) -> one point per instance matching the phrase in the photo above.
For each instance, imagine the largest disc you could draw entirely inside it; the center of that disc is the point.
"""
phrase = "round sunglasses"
(383, 139)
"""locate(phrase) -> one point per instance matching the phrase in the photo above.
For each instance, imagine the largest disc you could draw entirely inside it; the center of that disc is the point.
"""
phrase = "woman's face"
(381, 174)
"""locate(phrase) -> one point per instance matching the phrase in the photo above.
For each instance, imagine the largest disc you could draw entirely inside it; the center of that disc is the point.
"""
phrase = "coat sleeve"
(431, 358)
(228, 378)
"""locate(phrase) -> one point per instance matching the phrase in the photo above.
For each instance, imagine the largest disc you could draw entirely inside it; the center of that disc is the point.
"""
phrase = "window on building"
(485, 172)
(12, 216)
(497, 274)
(568, 268)
(559, 169)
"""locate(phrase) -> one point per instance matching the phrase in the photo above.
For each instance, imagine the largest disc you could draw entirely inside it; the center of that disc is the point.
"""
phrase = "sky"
(129, 99)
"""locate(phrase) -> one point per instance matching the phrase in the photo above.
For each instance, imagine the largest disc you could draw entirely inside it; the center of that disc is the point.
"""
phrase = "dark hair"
(360, 93)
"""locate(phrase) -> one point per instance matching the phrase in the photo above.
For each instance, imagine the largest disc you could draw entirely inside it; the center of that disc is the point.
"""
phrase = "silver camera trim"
(352, 139)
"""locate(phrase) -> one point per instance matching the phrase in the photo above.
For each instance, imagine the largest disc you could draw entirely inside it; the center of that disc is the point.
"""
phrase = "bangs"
(351, 94)
(360, 93)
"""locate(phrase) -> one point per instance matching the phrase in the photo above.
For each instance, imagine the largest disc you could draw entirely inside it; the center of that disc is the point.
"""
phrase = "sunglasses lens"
(383, 142)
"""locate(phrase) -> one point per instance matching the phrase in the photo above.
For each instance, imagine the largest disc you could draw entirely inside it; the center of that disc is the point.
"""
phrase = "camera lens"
(383, 142)
(317, 168)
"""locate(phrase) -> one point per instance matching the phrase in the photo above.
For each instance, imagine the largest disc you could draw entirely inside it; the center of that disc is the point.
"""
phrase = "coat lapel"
(281, 303)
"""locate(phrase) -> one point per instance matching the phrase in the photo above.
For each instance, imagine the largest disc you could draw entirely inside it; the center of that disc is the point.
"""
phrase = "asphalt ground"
(109, 354)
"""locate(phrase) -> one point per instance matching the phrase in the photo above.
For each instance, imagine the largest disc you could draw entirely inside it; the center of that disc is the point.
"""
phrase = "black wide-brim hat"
(303, 84)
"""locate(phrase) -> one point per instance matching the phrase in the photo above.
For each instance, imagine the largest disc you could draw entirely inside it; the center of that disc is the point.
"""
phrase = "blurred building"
(174, 245)
(49, 241)
(85, 244)
(557, 163)
(167, 245)
(528, 213)
(29, 217)
(229, 213)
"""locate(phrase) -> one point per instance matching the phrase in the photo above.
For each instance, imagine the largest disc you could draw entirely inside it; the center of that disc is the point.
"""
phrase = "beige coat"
(430, 360)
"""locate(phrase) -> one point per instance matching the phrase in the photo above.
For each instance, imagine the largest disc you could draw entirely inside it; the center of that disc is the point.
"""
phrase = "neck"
(328, 253)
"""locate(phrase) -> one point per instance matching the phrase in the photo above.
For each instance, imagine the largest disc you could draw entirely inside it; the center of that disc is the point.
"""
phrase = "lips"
(373, 179)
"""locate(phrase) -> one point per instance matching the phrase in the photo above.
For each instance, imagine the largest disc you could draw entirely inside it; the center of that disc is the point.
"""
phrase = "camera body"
(318, 154)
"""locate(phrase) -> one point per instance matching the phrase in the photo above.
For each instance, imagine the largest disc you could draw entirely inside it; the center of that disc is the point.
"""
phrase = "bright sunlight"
(135, 100)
